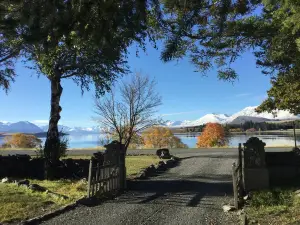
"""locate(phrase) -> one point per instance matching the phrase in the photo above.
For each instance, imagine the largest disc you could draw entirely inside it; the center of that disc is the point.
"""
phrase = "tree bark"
(52, 144)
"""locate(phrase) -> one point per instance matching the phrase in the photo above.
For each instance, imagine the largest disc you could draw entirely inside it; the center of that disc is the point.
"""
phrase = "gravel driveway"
(191, 193)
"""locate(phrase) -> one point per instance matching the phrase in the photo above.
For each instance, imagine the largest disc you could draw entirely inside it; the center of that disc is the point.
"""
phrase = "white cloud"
(261, 97)
(243, 95)
(40, 122)
(180, 113)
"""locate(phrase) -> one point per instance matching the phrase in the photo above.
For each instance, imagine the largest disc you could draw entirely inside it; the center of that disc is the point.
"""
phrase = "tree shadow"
(176, 192)
(221, 156)
(182, 191)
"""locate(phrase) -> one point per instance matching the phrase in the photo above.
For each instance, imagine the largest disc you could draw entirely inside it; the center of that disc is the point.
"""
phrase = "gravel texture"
(191, 193)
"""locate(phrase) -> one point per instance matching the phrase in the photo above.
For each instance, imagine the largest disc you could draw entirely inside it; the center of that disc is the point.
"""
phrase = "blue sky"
(186, 95)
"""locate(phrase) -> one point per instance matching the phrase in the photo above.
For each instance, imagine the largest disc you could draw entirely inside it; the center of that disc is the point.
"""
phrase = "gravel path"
(191, 193)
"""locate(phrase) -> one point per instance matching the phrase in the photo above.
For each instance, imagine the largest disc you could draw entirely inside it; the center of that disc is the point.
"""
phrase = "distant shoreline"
(41, 134)
(244, 132)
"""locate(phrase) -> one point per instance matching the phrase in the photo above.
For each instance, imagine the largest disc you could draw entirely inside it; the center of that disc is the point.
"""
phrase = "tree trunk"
(52, 144)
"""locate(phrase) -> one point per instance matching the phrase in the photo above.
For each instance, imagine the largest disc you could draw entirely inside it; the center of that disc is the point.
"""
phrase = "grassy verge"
(135, 163)
(276, 206)
(19, 203)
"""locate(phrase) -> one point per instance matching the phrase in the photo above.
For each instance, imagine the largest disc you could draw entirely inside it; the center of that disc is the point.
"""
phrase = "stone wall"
(23, 166)
(283, 167)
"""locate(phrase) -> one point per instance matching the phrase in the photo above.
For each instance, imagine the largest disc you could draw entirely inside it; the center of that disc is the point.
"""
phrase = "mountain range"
(28, 127)
(247, 114)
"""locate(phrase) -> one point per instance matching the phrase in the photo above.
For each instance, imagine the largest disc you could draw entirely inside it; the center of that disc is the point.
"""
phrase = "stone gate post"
(256, 175)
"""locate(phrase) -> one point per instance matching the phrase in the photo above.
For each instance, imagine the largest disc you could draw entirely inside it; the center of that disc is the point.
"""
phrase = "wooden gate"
(107, 171)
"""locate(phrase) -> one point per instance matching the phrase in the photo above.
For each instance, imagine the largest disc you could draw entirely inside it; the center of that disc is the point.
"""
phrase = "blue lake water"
(279, 139)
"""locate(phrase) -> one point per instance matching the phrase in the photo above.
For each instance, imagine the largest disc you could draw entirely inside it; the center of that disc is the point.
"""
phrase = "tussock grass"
(276, 206)
(19, 203)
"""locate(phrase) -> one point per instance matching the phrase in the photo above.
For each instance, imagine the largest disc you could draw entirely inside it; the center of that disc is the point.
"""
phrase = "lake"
(271, 139)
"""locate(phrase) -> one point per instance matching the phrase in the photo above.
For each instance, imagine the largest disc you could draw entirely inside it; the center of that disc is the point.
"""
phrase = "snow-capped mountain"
(80, 130)
(178, 123)
(246, 114)
(61, 128)
(22, 126)
(243, 119)
(250, 111)
(210, 118)
(28, 127)
(77, 130)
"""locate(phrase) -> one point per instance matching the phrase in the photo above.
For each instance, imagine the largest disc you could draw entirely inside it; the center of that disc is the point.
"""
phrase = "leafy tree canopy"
(53, 30)
(84, 40)
(218, 32)
(284, 94)
(159, 137)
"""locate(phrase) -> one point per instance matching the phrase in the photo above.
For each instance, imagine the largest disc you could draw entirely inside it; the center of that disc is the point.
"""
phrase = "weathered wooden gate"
(107, 171)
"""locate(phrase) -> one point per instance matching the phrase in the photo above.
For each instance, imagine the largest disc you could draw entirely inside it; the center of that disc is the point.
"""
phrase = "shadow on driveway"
(219, 156)
(176, 192)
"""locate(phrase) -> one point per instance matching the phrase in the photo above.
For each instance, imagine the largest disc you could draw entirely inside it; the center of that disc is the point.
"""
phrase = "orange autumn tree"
(161, 137)
(19, 140)
(212, 135)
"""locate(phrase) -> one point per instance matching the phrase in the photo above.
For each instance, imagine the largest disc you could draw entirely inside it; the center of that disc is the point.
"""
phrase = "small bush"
(272, 198)
(63, 146)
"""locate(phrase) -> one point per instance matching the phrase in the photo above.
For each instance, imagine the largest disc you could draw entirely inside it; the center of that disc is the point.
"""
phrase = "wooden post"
(122, 168)
(105, 182)
(235, 189)
(113, 180)
(295, 134)
(109, 179)
(101, 182)
(90, 179)
(241, 179)
(97, 177)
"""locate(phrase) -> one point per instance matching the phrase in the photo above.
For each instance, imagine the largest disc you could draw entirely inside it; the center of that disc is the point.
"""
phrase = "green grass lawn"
(19, 203)
(276, 206)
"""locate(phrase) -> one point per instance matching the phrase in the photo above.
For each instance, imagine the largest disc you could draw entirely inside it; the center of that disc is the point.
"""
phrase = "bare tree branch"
(135, 110)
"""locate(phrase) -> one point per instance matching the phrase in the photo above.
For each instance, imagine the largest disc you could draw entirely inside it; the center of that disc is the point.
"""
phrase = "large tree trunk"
(52, 144)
